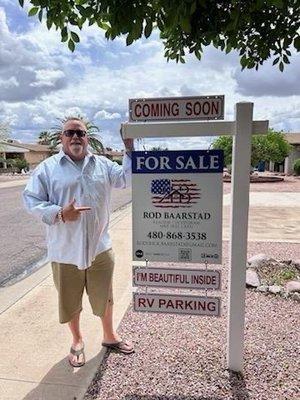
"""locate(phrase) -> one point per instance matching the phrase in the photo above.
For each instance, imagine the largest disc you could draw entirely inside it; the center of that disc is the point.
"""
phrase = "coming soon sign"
(176, 108)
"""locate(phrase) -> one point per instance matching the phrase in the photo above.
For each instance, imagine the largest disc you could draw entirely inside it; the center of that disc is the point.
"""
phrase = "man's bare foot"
(111, 338)
(120, 346)
(77, 356)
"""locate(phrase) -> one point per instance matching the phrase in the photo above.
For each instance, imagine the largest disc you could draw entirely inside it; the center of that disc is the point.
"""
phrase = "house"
(35, 153)
(286, 166)
(294, 141)
(32, 153)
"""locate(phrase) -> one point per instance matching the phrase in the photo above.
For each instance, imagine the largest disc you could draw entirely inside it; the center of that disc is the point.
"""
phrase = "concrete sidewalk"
(13, 183)
(34, 345)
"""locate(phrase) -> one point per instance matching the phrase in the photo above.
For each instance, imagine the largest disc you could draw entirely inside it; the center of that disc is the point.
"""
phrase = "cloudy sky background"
(41, 80)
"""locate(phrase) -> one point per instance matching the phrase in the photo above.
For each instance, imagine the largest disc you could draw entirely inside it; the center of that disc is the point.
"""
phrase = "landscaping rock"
(296, 263)
(275, 289)
(292, 286)
(295, 296)
(252, 278)
(259, 261)
(263, 288)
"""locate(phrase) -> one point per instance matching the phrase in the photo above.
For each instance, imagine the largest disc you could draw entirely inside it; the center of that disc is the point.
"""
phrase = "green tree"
(4, 133)
(94, 140)
(257, 29)
(45, 138)
(297, 166)
(18, 163)
(271, 147)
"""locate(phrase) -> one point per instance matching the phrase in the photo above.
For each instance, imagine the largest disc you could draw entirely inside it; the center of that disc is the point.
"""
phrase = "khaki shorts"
(71, 281)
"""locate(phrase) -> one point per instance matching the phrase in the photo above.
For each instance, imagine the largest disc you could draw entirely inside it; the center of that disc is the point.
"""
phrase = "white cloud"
(103, 114)
(9, 83)
(269, 81)
(38, 120)
(47, 78)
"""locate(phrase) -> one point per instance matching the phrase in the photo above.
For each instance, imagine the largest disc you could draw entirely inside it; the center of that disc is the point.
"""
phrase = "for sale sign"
(177, 205)
(176, 108)
(177, 278)
(176, 304)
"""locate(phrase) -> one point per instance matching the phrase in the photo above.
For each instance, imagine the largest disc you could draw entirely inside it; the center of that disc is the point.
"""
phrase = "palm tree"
(4, 133)
(94, 141)
(45, 138)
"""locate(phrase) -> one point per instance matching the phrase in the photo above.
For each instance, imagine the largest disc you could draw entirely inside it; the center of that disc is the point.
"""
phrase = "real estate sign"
(177, 205)
(177, 304)
(176, 108)
(181, 278)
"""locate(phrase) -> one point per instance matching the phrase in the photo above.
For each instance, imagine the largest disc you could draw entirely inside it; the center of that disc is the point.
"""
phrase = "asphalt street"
(22, 236)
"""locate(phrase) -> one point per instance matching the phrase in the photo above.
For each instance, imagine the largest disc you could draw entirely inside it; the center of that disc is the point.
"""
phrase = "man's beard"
(76, 148)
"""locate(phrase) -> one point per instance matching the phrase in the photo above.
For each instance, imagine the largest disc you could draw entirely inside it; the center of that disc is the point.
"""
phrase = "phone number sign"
(177, 205)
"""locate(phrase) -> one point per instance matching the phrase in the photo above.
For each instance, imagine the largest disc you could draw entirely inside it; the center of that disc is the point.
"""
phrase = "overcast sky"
(41, 80)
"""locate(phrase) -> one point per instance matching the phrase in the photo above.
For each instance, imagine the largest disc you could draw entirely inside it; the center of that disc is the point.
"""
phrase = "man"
(70, 192)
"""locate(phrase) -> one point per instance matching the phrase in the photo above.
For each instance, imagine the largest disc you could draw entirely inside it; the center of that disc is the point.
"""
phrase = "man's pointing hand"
(72, 213)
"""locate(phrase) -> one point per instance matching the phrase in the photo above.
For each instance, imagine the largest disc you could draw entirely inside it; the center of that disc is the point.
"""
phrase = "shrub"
(20, 164)
(297, 166)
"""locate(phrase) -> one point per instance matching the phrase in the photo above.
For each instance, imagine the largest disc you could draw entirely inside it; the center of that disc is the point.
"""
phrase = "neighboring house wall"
(289, 161)
(287, 165)
(35, 157)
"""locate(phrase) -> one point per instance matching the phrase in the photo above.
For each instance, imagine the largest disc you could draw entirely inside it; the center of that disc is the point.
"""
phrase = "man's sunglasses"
(72, 132)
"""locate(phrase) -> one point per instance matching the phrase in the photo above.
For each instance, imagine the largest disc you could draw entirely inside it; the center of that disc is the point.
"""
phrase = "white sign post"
(242, 129)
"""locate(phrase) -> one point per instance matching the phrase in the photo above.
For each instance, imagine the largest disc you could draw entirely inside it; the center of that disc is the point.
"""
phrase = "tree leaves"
(297, 43)
(257, 29)
(75, 37)
(148, 29)
(33, 11)
(270, 147)
(71, 45)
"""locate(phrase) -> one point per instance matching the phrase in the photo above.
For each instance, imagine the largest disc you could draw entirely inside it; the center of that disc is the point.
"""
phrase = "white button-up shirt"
(55, 183)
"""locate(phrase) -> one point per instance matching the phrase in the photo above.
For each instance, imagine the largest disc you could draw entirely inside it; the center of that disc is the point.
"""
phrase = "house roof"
(293, 138)
(11, 148)
(29, 146)
(114, 153)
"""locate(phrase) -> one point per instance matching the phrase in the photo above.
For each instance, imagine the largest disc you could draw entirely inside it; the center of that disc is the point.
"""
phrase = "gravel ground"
(183, 357)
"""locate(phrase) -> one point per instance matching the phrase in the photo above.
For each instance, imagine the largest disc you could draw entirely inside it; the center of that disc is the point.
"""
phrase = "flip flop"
(119, 347)
(77, 353)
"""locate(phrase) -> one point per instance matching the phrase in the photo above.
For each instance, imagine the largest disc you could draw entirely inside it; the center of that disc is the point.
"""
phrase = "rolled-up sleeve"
(120, 176)
(35, 198)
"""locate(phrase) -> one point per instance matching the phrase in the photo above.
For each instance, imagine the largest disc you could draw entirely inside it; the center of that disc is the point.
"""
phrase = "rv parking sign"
(177, 205)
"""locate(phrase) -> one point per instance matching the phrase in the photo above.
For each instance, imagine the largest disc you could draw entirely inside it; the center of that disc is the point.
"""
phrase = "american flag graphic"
(174, 193)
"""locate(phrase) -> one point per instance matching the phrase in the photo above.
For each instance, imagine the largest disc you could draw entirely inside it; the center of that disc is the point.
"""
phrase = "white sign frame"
(188, 272)
(242, 128)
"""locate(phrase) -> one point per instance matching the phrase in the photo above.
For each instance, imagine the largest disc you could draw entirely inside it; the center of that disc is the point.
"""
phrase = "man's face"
(74, 146)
